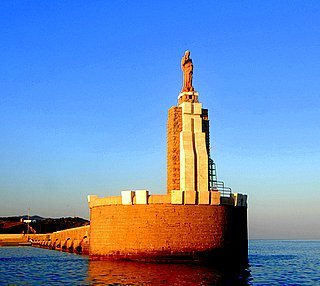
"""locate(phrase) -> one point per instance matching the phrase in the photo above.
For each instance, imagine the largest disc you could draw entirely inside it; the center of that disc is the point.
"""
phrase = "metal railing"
(216, 185)
(219, 186)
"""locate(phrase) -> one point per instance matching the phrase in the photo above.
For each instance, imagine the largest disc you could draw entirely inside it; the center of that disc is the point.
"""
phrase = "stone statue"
(187, 68)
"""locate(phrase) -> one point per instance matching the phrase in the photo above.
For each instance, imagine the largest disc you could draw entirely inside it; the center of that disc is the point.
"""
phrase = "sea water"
(271, 262)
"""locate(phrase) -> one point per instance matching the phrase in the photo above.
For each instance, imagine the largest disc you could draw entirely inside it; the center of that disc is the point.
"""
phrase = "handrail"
(224, 191)
(216, 185)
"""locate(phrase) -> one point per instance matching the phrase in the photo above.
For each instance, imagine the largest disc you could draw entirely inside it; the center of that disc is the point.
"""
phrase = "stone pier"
(74, 240)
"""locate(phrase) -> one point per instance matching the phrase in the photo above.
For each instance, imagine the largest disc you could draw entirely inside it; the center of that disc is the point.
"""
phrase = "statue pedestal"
(188, 96)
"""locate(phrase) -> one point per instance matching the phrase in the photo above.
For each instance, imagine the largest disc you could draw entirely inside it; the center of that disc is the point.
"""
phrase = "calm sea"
(272, 262)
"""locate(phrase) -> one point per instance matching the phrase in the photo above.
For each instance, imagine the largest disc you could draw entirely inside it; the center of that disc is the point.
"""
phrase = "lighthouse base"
(166, 232)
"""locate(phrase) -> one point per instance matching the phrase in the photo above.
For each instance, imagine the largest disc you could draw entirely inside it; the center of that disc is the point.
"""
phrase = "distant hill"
(18, 218)
(34, 217)
(39, 224)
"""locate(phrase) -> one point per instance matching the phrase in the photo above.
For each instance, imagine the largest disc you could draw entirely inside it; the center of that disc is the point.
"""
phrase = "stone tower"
(188, 143)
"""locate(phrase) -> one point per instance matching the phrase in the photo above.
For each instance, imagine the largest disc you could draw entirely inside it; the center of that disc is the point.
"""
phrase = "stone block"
(141, 197)
(202, 162)
(240, 200)
(204, 198)
(91, 198)
(214, 198)
(190, 197)
(187, 124)
(186, 107)
(197, 108)
(237, 199)
(113, 200)
(127, 197)
(160, 199)
(176, 197)
(227, 201)
(187, 172)
(197, 124)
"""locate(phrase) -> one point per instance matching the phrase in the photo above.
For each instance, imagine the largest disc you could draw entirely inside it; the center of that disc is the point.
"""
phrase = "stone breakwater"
(13, 240)
(74, 240)
(156, 230)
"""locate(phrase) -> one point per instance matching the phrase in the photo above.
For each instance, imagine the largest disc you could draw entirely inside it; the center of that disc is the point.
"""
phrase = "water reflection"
(136, 273)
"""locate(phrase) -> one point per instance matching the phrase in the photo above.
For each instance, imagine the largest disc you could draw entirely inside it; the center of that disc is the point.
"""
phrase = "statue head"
(187, 54)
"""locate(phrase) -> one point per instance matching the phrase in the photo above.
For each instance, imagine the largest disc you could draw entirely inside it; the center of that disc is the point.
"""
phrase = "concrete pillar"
(202, 167)
(187, 160)
(187, 154)
(193, 155)
(201, 156)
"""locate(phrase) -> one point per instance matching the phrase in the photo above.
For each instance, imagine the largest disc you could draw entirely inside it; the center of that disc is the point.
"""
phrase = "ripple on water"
(271, 263)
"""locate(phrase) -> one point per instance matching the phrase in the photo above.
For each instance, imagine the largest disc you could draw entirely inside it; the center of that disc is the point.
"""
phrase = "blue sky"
(85, 87)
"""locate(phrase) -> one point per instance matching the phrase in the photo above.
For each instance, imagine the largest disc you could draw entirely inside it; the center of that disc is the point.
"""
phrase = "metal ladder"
(214, 184)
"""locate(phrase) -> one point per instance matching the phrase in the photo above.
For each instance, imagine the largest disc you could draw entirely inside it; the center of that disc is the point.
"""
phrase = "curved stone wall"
(167, 231)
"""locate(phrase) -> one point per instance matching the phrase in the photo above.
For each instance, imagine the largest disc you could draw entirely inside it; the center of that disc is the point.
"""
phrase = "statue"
(187, 68)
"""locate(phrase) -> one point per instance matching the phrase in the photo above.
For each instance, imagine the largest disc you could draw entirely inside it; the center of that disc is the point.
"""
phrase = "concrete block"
(236, 199)
(240, 200)
(141, 197)
(91, 198)
(214, 198)
(186, 107)
(177, 197)
(227, 201)
(197, 124)
(187, 124)
(190, 197)
(197, 108)
(187, 172)
(204, 198)
(202, 162)
(113, 200)
(159, 199)
(127, 197)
